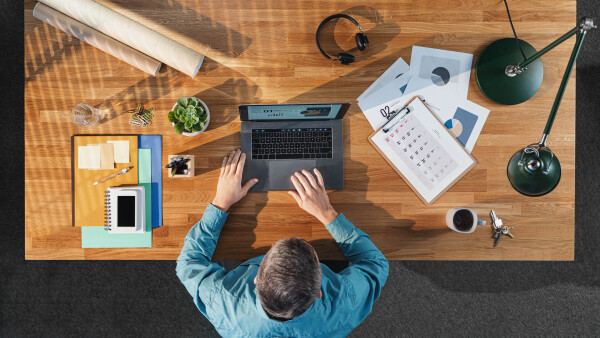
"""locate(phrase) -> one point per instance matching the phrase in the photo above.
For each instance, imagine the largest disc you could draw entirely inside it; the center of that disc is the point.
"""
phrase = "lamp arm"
(563, 85)
(516, 69)
(557, 42)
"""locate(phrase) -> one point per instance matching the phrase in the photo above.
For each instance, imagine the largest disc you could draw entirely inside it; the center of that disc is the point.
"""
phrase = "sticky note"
(144, 165)
(88, 157)
(121, 151)
(107, 157)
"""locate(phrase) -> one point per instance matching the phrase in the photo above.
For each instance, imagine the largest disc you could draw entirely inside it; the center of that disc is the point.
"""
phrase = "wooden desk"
(264, 52)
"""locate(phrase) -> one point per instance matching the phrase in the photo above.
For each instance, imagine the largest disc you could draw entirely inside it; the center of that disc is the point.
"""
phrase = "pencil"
(118, 173)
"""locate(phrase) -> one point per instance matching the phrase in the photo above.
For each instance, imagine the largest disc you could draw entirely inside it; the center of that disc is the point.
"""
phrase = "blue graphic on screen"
(293, 111)
(461, 125)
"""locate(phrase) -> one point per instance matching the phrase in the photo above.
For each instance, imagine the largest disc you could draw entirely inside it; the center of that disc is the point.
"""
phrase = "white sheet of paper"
(396, 70)
(424, 152)
(121, 151)
(88, 157)
(440, 68)
(391, 91)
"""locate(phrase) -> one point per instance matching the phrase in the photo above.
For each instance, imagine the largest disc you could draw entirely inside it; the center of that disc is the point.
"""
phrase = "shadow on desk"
(232, 92)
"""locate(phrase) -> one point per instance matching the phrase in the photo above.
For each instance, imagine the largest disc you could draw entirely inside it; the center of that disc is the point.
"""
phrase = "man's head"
(289, 279)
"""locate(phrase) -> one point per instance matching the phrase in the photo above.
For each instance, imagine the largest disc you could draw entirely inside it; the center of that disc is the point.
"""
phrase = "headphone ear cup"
(361, 41)
(345, 58)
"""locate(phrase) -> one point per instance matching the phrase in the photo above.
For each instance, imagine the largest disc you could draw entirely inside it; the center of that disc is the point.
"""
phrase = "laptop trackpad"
(280, 172)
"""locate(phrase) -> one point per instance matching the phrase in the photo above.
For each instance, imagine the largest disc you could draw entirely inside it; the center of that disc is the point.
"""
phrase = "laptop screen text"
(293, 112)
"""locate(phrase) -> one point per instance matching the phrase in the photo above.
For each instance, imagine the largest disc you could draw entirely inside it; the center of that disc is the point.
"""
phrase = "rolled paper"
(99, 40)
(131, 33)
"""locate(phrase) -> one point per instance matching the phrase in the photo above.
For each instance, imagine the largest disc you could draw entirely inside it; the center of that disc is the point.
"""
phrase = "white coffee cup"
(471, 226)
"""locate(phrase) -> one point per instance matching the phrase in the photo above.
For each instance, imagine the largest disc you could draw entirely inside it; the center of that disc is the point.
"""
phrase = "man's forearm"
(194, 267)
(201, 240)
(355, 244)
(369, 269)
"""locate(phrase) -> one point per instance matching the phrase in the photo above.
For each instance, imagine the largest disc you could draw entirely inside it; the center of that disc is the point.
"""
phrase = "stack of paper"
(102, 156)
(438, 77)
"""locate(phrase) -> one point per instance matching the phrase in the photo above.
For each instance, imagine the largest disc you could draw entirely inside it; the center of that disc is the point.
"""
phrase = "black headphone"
(361, 40)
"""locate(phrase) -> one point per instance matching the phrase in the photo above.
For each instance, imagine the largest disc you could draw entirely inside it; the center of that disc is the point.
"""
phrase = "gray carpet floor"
(420, 299)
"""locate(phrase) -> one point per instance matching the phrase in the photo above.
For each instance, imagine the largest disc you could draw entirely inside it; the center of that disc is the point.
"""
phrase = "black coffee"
(463, 220)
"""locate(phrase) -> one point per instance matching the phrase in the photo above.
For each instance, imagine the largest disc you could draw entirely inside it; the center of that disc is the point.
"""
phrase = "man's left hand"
(229, 189)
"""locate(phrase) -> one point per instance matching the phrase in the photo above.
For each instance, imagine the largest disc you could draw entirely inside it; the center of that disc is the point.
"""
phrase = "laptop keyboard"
(278, 144)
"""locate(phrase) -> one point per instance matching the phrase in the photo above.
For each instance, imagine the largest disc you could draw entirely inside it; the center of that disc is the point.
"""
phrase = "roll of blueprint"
(99, 40)
(131, 33)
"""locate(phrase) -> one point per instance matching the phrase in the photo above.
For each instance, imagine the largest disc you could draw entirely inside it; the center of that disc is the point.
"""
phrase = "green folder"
(97, 237)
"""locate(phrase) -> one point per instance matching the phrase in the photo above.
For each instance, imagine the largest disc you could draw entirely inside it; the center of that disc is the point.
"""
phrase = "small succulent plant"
(188, 115)
(178, 166)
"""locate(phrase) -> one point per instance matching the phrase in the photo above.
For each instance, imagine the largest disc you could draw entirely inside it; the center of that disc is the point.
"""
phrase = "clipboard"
(416, 122)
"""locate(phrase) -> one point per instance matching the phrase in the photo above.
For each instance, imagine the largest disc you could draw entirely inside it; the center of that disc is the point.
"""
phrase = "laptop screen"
(325, 111)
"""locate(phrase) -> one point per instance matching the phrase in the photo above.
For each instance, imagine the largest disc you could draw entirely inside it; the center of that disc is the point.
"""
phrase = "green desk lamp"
(535, 170)
(506, 75)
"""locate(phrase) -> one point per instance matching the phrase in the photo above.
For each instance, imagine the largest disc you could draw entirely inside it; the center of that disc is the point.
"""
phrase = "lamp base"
(490, 72)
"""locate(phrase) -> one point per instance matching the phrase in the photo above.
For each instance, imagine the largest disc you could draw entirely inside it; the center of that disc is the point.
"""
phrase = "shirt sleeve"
(368, 270)
(194, 267)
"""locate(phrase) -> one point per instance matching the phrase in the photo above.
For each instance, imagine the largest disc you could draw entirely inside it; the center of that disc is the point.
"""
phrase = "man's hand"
(311, 196)
(229, 189)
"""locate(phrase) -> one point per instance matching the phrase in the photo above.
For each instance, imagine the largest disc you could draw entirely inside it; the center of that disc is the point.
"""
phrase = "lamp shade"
(534, 171)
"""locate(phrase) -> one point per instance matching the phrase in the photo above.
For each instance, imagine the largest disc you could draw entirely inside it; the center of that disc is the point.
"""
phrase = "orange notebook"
(88, 199)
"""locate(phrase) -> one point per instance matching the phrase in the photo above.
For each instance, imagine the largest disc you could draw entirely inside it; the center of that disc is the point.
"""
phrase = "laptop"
(280, 139)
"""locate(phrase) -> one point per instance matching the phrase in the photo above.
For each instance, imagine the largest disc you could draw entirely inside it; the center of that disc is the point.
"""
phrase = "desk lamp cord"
(513, 29)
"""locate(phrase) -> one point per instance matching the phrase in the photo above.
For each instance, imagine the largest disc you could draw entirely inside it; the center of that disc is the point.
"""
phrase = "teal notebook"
(97, 237)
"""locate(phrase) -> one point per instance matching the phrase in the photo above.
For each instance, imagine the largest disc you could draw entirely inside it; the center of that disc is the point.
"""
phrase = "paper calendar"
(422, 151)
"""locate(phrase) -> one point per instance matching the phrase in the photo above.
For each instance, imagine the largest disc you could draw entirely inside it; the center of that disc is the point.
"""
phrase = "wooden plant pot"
(190, 166)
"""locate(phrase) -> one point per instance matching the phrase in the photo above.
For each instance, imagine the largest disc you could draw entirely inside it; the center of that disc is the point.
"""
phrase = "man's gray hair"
(289, 279)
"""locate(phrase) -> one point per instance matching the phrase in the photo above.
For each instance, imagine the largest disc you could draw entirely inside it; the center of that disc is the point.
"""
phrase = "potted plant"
(190, 116)
(181, 166)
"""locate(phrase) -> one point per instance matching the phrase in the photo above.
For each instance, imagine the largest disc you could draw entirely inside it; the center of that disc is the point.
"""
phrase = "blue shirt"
(230, 302)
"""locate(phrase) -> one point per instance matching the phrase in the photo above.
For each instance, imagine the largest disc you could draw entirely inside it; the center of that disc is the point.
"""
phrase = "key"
(496, 222)
(506, 231)
(497, 236)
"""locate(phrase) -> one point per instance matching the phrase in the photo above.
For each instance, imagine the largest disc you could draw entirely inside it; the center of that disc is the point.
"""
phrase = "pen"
(397, 118)
(113, 175)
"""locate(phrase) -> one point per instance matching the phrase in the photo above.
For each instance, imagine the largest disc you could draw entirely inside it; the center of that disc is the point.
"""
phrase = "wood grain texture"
(264, 52)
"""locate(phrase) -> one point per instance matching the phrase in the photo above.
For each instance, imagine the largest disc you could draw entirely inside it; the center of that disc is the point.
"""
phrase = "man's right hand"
(229, 188)
(311, 195)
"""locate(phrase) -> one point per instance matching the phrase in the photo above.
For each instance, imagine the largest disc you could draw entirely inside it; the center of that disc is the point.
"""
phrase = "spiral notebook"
(422, 151)
(125, 210)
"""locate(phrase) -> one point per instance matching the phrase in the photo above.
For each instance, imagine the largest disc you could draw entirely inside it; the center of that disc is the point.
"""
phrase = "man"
(287, 292)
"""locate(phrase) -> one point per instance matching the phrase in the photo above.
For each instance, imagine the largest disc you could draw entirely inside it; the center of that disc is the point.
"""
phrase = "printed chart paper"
(440, 68)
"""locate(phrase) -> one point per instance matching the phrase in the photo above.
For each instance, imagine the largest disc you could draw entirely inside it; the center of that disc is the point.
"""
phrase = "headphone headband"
(339, 15)
(326, 20)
